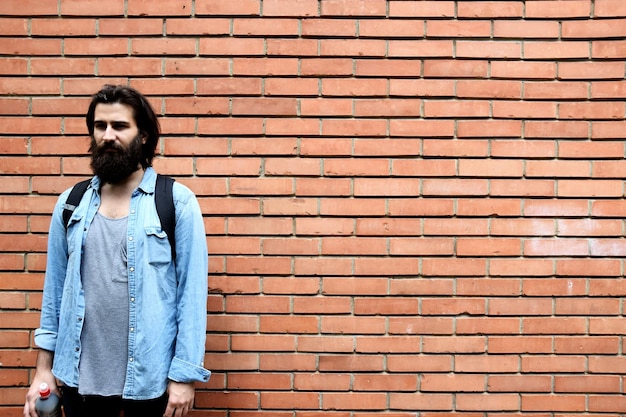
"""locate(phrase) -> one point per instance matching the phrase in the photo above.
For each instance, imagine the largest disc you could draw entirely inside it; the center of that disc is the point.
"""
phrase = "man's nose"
(109, 133)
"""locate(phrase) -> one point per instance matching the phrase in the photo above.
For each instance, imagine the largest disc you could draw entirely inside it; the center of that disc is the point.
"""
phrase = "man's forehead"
(114, 111)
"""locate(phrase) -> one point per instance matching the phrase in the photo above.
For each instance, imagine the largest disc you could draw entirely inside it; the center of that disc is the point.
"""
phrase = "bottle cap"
(44, 390)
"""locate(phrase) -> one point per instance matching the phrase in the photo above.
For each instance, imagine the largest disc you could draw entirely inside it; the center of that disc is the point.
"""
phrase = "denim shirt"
(167, 299)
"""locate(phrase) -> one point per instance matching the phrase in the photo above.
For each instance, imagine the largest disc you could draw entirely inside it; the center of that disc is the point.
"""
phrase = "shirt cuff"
(45, 339)
(181, 371)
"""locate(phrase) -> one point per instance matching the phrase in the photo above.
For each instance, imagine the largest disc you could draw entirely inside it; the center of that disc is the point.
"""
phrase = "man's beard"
(113, 162)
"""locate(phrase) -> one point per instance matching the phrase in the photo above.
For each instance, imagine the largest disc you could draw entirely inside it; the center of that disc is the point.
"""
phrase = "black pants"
(76, 405)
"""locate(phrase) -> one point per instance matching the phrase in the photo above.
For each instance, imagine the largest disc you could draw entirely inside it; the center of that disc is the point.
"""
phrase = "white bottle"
(48, 404)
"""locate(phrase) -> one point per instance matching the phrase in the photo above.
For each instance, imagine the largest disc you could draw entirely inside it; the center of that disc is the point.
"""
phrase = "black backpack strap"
(73, 200)
(164, 201)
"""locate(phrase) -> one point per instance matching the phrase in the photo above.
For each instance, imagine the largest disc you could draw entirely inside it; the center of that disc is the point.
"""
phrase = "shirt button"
(130, 359)
(80, 319)
(130, 238)
(132, 299)
(132, 269)
(77, 349)
(132, 329)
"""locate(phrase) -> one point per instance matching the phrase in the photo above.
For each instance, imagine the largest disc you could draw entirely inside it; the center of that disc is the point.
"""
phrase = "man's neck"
(115, 198)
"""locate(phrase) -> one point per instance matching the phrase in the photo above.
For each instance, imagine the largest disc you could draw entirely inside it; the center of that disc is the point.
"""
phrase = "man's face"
(116, 143)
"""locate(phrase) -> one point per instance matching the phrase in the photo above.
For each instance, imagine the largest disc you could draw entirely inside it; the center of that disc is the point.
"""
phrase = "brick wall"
(411, 206)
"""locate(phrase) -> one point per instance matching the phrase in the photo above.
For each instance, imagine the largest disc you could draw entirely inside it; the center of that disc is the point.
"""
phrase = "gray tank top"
(104, 339)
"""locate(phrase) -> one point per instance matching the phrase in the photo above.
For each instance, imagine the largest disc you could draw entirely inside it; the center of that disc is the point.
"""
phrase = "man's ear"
(144, 138)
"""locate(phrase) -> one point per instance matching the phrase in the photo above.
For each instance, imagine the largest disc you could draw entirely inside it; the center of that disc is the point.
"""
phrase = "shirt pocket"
(71, 230)
(158, 249)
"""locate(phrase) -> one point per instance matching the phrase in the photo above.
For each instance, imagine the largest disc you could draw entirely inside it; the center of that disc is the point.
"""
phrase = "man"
(123, 324)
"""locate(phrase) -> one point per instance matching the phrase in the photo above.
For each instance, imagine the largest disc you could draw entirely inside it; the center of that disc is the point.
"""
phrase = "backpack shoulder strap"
(164, 201)
(73, 200)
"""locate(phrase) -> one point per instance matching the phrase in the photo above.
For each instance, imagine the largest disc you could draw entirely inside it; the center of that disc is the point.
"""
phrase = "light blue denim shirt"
(167, 299)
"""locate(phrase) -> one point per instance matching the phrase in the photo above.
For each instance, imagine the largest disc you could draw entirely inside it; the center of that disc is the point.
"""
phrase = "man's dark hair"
(145, 118)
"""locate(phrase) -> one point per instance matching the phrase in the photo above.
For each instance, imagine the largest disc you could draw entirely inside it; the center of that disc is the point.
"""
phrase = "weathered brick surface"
(411, 206)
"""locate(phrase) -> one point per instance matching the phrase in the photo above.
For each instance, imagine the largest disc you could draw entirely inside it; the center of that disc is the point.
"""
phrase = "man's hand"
(180, 399)
(42, 374)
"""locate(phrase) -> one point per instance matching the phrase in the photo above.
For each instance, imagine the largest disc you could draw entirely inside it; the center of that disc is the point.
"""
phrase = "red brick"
(495, 402)
(353, 8)
(325, 344)
(556, 91)
(324, 226)
(550, 9)
(287, 47)
(458, 28)
(447, 267)
(55, 27)
(268, 146)
(29, 8)
(547, 403)
(282, 362)
(420, 325)
(323, 187)
(588, 71)
(243, 400)
(15, 338)
(265, 66)
(264, 106)
(218, 7)
(92, 7)
(289, 400)
(190, 26)
(388, 227)
(354, 401)
(422, 87)
(606, 403)
(421, 246)
(491, 128)
(252, 265)
(258, 381)
(320, 382)
(526, 29)
(456, 109)
(129, 66)
(292, 167)
(432, 306)
(352, 47)
(392, 344)
(422, 9)
(303, 8)
(277, 343)
(163, 46)
(171, 8)
(603, 89)
(354, 246)
(457, 69)
(486, 9)
(31, 46)
(489, 49)
(128, 27)
(421, 401)
(329, 27)
(323, 266)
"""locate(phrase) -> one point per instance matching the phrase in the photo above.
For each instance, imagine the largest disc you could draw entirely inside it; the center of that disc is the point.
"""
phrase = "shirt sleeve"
(192, 289)
(56, 267)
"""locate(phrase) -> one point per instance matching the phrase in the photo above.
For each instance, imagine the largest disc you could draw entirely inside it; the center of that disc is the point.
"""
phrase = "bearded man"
(123, 322)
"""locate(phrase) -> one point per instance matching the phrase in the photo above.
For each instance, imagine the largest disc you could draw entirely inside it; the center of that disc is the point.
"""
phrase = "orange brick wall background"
(412, 207)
